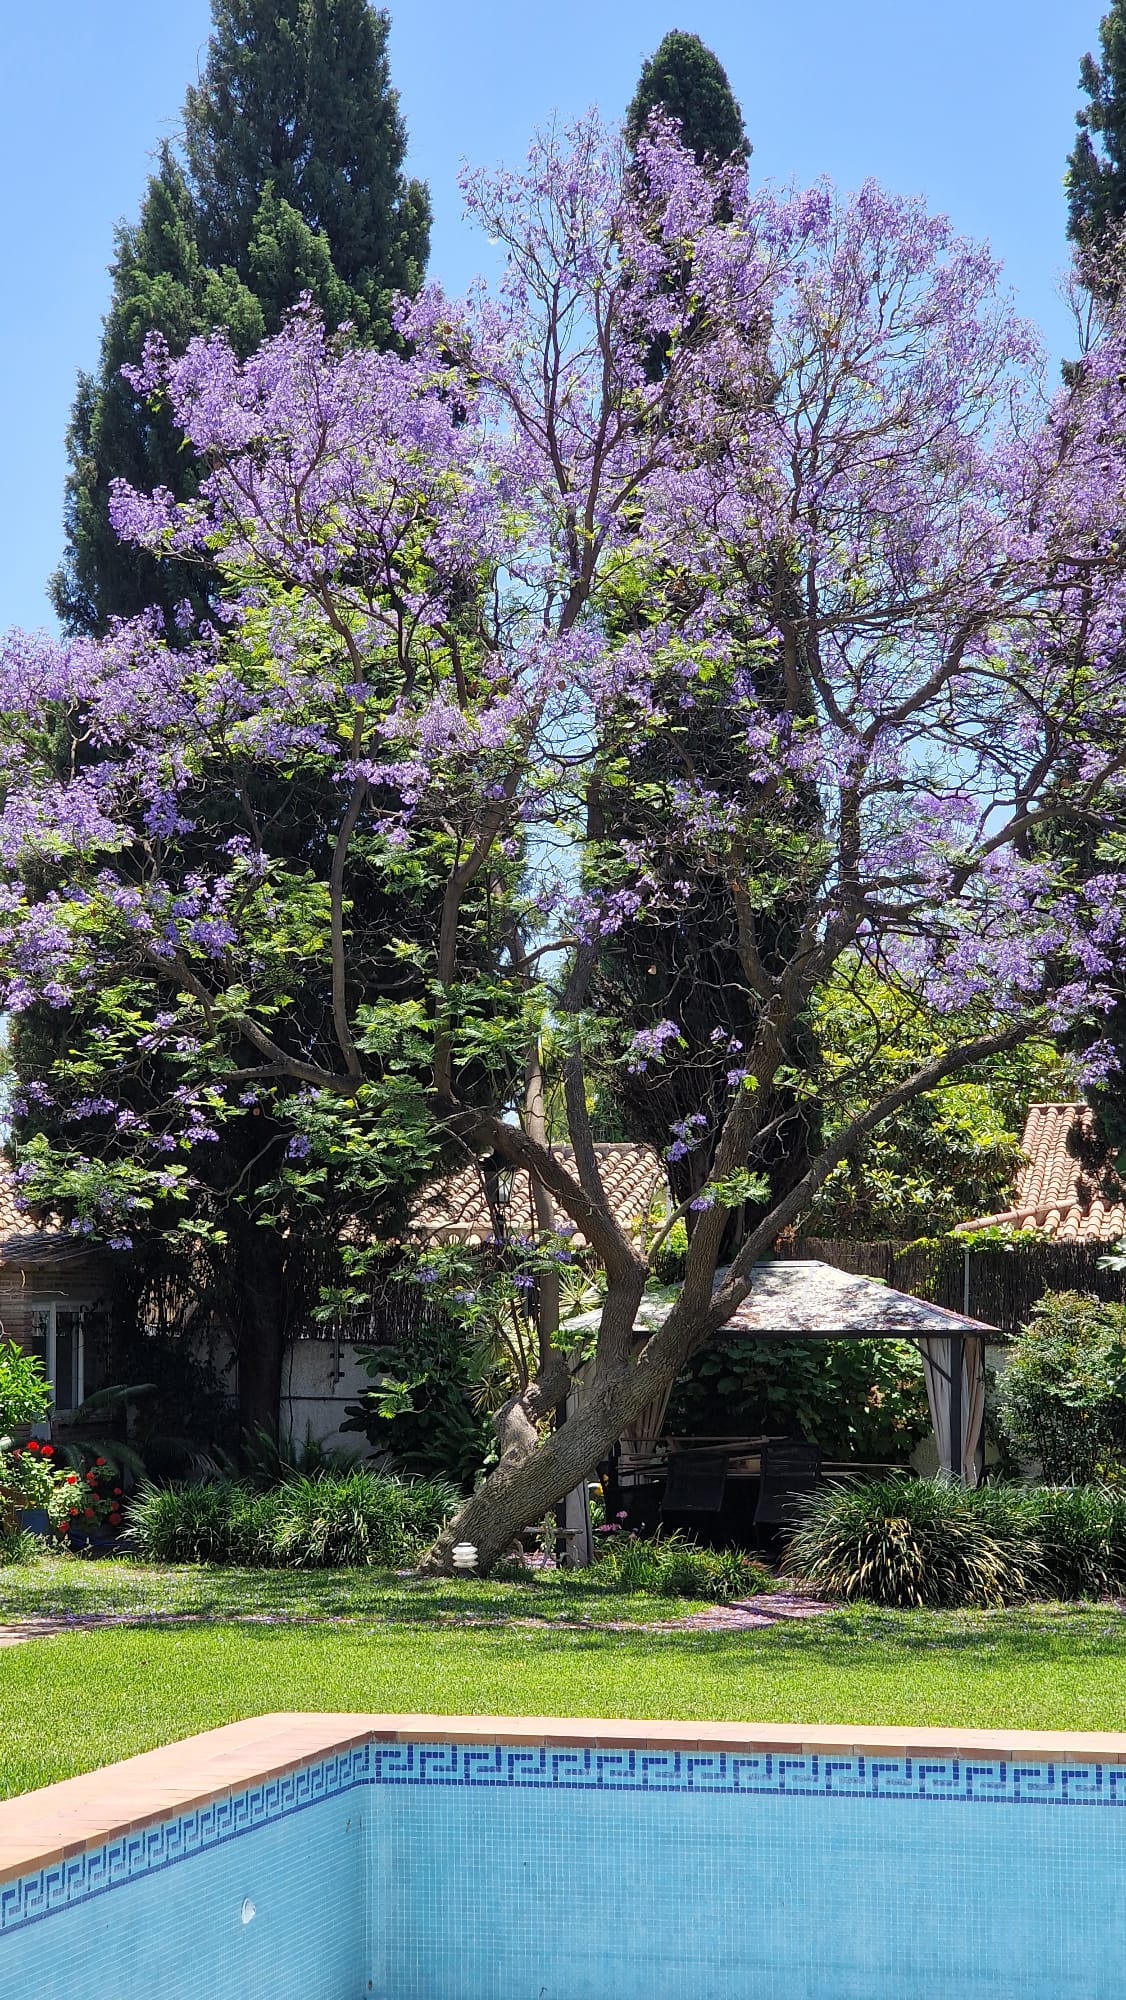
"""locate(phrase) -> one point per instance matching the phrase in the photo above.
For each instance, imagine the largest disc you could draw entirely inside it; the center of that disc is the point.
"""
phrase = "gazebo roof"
(802, 1297)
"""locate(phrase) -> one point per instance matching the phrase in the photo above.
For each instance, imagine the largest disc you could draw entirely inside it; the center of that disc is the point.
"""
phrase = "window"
(57, 1337)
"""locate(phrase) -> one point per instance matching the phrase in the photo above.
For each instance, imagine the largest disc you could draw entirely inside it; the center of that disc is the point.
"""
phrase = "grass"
(60, 1586)
(73, 1703)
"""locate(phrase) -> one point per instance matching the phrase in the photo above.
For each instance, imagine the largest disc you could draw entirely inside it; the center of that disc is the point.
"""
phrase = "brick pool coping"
(39, 1829)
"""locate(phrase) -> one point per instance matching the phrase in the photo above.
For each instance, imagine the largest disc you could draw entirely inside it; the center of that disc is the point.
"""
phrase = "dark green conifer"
(1096, 167)
(690, 84)
(290, 181)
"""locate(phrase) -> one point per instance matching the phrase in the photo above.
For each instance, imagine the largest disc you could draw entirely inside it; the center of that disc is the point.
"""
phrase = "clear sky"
(968, 102)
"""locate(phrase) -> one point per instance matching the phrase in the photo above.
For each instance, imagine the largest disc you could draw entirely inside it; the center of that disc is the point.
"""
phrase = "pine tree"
(290, 181)
(1096, 168)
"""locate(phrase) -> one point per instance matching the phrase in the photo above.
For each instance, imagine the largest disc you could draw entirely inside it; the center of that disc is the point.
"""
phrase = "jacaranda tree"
(847, 467)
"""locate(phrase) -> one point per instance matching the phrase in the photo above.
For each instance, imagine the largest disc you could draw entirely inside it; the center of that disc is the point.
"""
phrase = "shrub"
(672, 1566)
(25, 1393)
(422, 1408)
(1081, 1535)
(221, 1522)
(361, 1519)
(1062, 1397)
(858, 1398)
(917, 1542)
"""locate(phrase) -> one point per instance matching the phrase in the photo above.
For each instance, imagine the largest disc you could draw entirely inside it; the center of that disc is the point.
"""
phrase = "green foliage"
(362, 1520)
(359, 1519)
(921, 1542)
(950, 1154)
(299, 92)
(685, 80)
(1096, 168)
(271, 1461)
(928, 1543)
(1062, 1397)
(672, 1566)
(421, 1408)
(290, 181)
(858, 1398)
(25, 1393)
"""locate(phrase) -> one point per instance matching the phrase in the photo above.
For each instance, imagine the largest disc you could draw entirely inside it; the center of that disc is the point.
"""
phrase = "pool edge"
(43, 1827)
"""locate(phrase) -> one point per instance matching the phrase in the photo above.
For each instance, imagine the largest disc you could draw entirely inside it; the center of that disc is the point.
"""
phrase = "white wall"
(319, 1379)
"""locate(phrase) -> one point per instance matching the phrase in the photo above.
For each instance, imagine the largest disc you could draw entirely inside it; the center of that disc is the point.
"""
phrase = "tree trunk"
(535, 1472)
(262, 1326)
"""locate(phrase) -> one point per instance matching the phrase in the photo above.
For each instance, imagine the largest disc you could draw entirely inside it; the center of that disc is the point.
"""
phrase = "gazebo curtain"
(937, 1365)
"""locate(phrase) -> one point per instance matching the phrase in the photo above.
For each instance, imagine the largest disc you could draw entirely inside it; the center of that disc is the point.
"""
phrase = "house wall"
(319, 1379)
(81, 1281)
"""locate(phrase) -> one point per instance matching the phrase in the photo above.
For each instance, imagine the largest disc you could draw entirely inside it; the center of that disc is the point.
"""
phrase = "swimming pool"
(429, 1858)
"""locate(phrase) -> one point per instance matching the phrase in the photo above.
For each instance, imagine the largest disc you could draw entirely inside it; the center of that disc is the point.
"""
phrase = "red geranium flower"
(99, 1461)
(48, 1450)
(72, 1479)
(88, 1513)
(31, 1445)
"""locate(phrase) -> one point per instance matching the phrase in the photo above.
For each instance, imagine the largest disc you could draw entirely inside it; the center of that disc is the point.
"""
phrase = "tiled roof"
(24, 1243)
(1058, 1192)
(457, 1210)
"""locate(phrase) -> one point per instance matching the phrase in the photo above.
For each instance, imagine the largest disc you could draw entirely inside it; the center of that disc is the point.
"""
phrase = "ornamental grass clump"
(365, 1519)
(221, 1522)
(916, 1543)
(1080, 1532)
(672, 1566)
(358, 1520)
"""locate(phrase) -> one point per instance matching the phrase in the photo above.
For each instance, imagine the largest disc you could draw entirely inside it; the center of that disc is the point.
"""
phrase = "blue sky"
(970, 103)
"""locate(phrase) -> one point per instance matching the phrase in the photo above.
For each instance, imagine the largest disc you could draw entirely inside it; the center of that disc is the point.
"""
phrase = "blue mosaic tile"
(772, 1774)
(99, 1869)
(476, 1767)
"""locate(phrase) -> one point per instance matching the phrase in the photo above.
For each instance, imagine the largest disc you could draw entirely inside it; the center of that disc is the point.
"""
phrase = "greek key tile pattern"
(471, 1767)
(97, 1870)
(771, 1773)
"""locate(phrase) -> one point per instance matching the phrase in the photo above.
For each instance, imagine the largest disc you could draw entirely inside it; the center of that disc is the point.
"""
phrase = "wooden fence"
(1002, 1284)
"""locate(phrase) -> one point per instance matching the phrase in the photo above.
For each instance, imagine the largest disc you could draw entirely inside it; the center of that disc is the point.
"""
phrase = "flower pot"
(93, 1539)
(33, 1520)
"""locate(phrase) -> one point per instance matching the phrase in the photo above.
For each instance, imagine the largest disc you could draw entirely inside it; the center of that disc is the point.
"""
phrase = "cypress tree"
(289, 180)
(1096, 210)
(686, 81)
(644, 969)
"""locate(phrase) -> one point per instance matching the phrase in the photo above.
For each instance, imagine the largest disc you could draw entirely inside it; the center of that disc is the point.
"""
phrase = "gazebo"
(803, 1299)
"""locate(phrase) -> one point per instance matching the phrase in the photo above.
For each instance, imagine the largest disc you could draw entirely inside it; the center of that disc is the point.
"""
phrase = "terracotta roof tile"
(24, 1242)
(458, 1211)
(1056, 1192)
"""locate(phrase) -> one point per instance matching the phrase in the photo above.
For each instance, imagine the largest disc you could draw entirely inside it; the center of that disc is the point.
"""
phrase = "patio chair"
(695, 1484)
(789, 1468)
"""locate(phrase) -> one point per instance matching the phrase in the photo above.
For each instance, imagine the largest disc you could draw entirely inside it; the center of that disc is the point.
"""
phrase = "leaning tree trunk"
(536, 1471)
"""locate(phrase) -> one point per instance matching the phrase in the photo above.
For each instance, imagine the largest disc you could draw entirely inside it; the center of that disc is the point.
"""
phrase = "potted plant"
(30, 1486)
(92, 1499)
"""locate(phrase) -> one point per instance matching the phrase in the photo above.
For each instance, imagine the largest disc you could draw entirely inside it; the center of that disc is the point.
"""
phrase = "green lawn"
(58, 1586)
(72, 1703)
